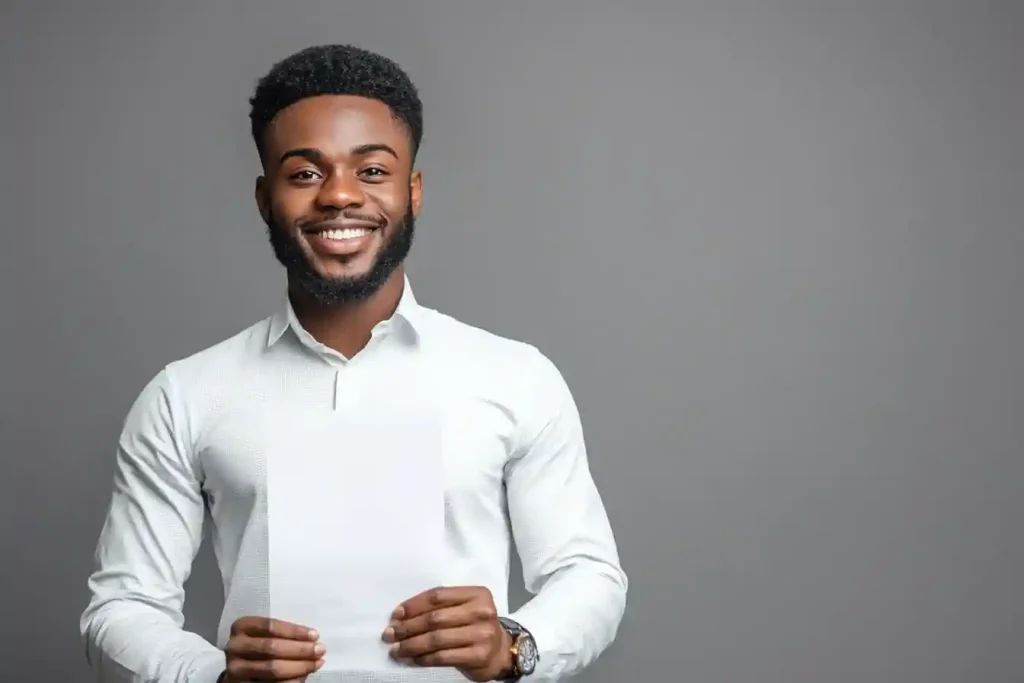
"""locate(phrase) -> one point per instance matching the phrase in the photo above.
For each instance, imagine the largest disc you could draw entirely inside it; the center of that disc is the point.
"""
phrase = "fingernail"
(313, 635)
(389, 634)
(319, 649)
(393, 650)
(398, 613)
(319, 663)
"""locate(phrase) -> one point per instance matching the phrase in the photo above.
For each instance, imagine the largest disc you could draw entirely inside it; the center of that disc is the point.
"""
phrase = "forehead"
(335, 124)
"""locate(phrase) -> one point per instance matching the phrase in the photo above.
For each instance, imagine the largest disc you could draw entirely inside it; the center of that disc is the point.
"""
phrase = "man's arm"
(569, 556)
(132, 626)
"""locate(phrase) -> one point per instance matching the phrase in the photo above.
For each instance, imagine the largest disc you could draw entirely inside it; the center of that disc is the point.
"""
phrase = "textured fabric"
(190, 454)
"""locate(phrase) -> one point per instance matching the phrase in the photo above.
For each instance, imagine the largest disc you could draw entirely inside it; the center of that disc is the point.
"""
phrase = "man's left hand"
(454, 627)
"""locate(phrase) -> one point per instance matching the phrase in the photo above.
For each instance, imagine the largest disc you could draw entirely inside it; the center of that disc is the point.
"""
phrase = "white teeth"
(346, 234)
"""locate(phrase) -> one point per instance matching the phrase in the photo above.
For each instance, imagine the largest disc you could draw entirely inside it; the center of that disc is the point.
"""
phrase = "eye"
(305, 175)
(374, 172)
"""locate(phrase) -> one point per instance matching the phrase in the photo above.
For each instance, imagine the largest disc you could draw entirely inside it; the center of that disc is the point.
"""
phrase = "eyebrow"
(316, 155)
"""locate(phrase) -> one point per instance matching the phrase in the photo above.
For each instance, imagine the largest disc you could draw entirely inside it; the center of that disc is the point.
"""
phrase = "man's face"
(339, 195)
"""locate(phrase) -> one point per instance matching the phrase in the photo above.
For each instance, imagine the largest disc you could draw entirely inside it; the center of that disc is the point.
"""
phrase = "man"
(337, 130)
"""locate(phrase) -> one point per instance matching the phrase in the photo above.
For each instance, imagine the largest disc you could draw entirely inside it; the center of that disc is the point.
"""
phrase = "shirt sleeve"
(565, 542)
(132, 626)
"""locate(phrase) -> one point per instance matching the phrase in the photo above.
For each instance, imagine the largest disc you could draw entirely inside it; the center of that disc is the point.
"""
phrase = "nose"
(340, 191)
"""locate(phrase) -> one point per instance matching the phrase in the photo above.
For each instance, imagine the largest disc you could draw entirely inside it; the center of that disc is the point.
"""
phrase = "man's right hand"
(264, 649)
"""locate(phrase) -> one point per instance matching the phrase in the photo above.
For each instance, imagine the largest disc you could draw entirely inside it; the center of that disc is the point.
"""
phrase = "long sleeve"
(568, 553)
(132, 626)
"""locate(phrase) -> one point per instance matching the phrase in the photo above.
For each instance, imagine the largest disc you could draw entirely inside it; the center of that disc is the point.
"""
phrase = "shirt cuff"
(208, 668)
(550, 663)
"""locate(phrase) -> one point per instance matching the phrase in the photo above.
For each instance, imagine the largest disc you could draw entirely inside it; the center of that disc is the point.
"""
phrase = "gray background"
(776, 248)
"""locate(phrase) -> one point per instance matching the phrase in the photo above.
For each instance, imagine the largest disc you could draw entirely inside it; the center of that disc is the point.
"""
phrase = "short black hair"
(336, 70)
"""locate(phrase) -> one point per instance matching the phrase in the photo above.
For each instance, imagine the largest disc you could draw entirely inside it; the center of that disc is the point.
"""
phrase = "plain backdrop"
(775, 247)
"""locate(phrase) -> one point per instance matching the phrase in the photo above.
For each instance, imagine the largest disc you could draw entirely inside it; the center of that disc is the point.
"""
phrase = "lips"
(343, 233)
(341, 237)
(342, 225)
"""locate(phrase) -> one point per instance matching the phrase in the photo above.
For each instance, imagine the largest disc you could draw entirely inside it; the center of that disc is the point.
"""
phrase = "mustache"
(374, 219)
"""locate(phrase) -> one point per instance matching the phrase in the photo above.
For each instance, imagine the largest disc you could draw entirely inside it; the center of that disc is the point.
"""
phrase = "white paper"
(355, 507)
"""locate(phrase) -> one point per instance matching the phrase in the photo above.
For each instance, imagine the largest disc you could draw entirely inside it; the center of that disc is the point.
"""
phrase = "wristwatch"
(524, 650)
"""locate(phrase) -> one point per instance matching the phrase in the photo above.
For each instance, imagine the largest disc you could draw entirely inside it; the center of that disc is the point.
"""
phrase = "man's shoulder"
(486, 351)
(512, 373)
(189, 383)
(219, 359)
(473, 342)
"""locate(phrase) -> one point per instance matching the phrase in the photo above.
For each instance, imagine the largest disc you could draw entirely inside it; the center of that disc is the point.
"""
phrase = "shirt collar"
(407, 313)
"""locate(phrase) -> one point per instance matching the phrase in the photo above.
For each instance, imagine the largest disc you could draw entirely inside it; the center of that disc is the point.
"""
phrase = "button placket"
(346, 376)
(345, 391)
(337, 390)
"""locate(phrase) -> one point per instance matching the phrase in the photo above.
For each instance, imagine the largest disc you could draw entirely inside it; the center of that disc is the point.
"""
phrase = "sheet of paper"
(355, 507)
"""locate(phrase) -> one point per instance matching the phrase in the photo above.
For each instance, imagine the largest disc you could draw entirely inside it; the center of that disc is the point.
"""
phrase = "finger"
(446, 639)
(273, 628)
(438, 597)
(472, 657)
(249, 647)
(271, 669)
(445, 617)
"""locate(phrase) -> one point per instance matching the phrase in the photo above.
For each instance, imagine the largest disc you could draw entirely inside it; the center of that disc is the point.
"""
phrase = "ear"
(416, 192)
(263, 198)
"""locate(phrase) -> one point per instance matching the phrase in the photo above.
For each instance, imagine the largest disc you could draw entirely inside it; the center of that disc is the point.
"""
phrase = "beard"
(339, 291)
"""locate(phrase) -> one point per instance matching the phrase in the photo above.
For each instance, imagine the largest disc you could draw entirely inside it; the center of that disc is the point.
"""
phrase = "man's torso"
(233, 399)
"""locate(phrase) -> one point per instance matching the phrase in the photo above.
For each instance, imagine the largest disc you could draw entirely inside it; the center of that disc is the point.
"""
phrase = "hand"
(456, 627)
(263, 649)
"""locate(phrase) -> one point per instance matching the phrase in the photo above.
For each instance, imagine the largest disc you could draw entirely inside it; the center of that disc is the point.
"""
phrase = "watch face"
(527, 655)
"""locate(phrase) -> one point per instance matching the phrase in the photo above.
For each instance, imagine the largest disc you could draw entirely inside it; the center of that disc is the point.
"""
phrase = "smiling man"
(338, 130)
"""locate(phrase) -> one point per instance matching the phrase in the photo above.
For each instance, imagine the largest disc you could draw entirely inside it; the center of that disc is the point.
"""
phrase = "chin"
(336, 272)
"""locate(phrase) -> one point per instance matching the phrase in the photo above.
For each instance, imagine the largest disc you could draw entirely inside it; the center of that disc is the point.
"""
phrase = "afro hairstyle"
(335, 70)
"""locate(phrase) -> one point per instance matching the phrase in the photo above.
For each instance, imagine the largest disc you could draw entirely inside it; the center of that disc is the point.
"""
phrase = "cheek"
(292, 203)
(395, 206)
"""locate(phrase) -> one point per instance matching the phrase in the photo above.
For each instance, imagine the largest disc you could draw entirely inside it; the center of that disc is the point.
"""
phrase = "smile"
(342, 241)
(344, 234)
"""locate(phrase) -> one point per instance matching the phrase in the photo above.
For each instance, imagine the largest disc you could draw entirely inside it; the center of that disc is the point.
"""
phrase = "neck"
(347, 328)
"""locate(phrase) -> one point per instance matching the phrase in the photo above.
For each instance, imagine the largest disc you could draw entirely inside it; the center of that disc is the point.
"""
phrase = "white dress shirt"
(518, 463)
